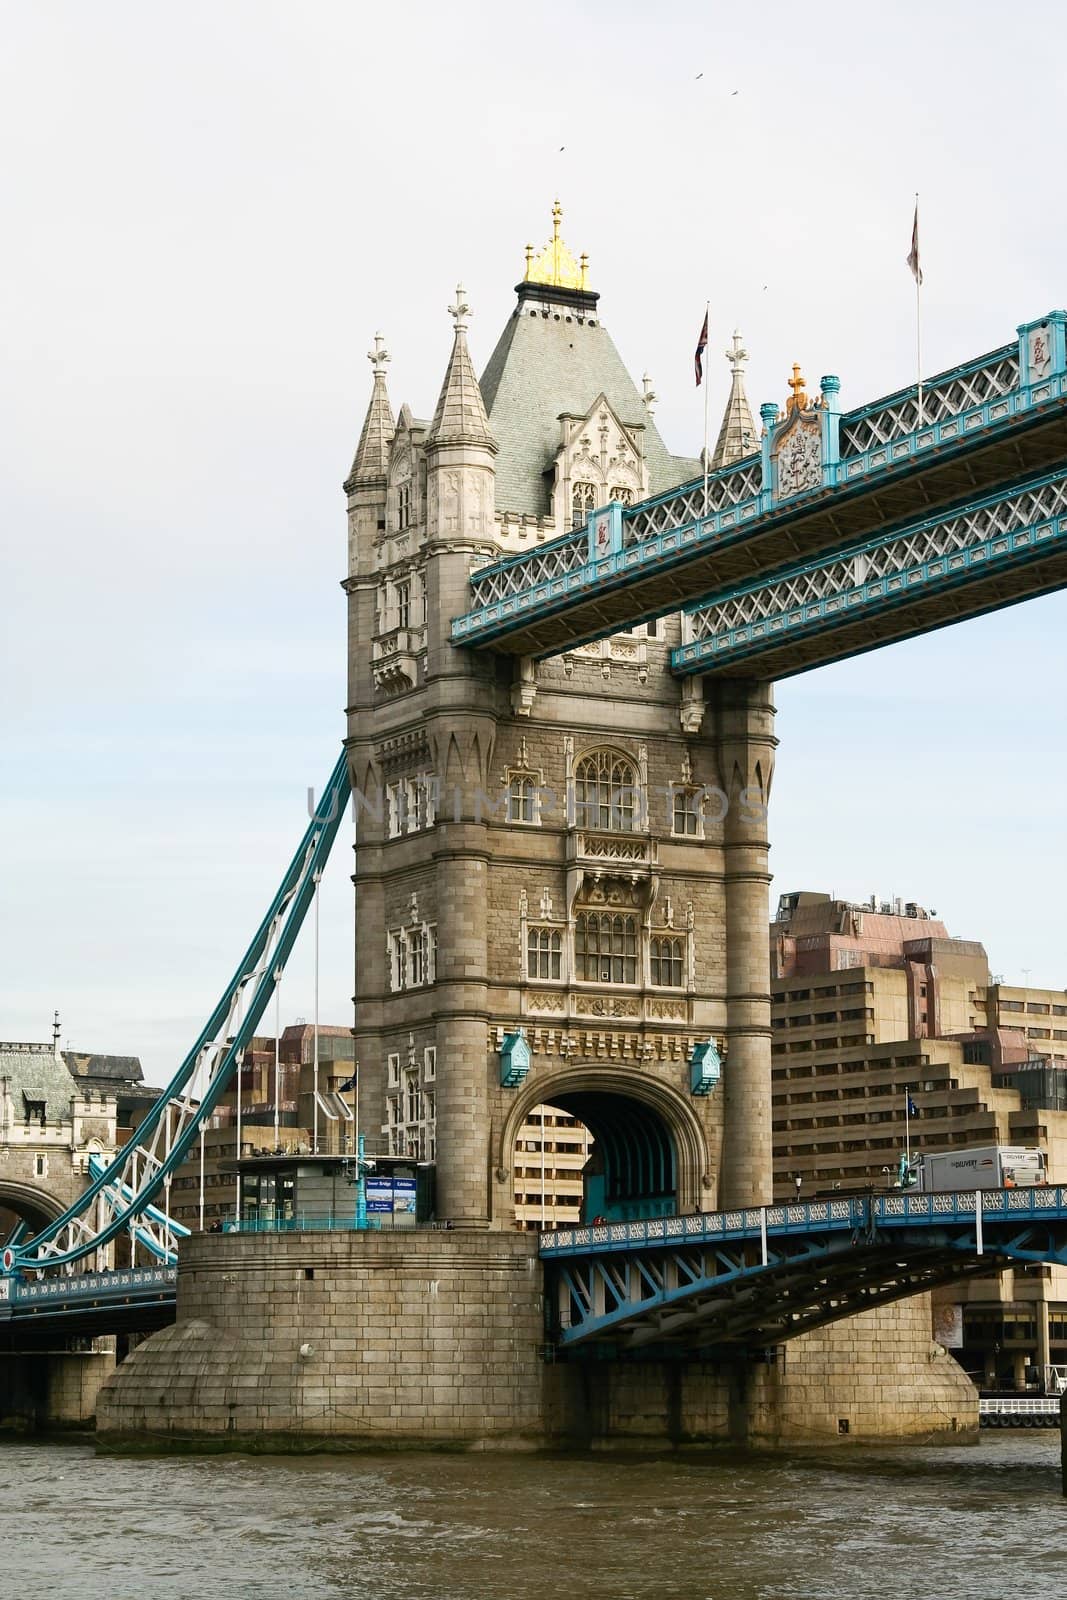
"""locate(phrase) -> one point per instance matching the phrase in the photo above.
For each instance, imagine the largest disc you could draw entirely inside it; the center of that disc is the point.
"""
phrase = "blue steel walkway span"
(823, 484)
(60, 1305)
(761, 1277)
(991, 552)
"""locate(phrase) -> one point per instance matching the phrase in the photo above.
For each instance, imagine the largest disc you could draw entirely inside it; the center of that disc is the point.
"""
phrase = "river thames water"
(980, 1522)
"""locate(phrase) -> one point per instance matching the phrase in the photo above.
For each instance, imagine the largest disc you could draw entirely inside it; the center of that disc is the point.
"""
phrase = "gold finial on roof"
(556, 265)
(798, 400)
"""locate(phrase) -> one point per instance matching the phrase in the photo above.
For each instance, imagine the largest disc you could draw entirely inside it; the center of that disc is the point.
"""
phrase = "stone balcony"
(395, 658)
(614, 852)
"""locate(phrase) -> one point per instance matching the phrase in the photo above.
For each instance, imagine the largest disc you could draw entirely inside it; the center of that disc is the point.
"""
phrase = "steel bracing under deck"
(120, 1196)
(986, 425)
(760, 1277)
(989, 553)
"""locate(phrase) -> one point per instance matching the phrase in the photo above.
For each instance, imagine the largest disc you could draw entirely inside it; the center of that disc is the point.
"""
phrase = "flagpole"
(918, 316)
(907, 1126)
(707, 315)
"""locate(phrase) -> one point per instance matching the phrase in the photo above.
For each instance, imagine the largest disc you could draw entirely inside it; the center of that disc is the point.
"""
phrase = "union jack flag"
(913, 253)
(702, 345)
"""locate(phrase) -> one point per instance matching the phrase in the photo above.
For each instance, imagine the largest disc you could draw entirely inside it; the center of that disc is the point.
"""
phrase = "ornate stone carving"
(799, 459)
(607, 1005)
(667, 1010)
(547, 1002)
(609, 847)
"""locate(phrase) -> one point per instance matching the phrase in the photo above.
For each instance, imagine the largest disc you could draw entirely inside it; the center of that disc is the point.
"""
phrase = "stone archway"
(30, 1204)
(650, 1155)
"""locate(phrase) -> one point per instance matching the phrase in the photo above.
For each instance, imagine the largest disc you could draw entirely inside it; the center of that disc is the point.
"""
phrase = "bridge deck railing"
(68, 1288)
(814, 1216)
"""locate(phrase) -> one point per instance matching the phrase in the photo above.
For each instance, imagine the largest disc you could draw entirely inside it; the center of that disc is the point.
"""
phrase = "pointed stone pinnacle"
(379, 355)
(461, 310)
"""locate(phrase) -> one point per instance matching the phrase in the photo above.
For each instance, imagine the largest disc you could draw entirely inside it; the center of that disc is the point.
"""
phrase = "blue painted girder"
(807, 614)
(755, 1277)
(94, 1302)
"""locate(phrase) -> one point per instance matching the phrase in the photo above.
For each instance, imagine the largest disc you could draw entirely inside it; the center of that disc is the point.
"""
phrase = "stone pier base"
(42, 1390)
(435, 1340)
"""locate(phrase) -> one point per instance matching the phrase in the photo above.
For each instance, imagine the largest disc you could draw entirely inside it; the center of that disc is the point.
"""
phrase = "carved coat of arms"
(798, 455)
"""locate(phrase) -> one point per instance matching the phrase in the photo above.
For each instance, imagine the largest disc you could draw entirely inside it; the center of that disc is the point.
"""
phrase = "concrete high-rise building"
(874, 1007)
(551, 1153)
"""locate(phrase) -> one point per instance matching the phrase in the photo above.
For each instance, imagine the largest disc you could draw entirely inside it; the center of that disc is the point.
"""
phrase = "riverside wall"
(435, 1340)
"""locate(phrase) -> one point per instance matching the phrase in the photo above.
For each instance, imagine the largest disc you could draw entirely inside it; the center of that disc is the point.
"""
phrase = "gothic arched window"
(624, 496)
(665, 962)
(522, 797)
(605, 947)
(605, 792)
(543, 953)
(584, 499)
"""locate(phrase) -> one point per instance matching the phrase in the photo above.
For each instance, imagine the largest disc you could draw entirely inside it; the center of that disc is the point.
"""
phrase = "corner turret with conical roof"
(460, 418)
(371, 461)
(366, 484)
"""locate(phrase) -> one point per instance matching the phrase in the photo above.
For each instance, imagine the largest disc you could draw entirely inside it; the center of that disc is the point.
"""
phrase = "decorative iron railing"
(856, 1211)
(947, 395)
(994, 531)
(730, 486)
(505, 578)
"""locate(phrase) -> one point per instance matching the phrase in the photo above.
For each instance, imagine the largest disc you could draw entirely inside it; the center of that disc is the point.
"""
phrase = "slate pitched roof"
(106, 1069)
(35, 1074)
(541, 367)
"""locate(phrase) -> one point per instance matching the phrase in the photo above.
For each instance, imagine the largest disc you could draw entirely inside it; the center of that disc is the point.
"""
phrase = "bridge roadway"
(753, 1278)
(760, 1277)
(888, 527)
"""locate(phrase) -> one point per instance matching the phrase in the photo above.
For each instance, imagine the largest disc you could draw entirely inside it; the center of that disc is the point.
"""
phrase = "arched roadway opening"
(648, 1155)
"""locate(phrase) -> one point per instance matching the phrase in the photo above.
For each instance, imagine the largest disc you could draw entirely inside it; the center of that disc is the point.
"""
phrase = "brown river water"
(980, 1522)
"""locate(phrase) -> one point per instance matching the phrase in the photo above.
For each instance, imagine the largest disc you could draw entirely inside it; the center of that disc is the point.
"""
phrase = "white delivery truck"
(990, 1166)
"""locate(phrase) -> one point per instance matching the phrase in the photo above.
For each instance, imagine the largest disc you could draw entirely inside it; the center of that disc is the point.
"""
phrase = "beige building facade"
(864, 998)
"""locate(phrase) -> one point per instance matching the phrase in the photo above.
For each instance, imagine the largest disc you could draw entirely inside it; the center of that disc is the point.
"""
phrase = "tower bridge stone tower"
(561, 873)
(561, 895)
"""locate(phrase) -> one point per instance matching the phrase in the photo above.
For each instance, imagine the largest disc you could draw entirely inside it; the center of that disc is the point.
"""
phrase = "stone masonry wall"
(881, 1373)
(422, 1339)
(435, 1340)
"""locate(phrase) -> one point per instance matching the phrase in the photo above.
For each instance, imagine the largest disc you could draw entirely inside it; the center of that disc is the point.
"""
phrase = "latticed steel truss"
(120, 1196)
(552, 561)
(760, 1277)
(667, 549)
(987, 537)
(957, 392)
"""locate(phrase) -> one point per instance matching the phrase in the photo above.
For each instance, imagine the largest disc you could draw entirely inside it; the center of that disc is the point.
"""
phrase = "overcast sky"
(207, 211)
